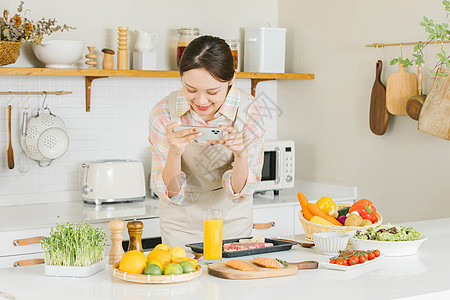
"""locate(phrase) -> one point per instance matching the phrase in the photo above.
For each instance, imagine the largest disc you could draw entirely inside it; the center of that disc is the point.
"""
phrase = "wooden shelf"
(92, 74)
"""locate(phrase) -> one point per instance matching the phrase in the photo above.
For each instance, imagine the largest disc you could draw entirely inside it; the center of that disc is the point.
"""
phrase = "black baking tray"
(277, 246)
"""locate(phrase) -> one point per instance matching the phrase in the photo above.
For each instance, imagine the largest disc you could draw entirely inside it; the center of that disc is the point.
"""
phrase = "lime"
(173, 269)
(187, 266)
(152, 269)
(155, 262)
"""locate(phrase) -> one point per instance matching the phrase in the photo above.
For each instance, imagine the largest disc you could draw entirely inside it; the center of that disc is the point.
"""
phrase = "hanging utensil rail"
(36, 93)
(381, 45)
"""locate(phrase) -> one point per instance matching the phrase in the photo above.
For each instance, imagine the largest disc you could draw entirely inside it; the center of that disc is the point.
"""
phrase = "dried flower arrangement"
(19, 28)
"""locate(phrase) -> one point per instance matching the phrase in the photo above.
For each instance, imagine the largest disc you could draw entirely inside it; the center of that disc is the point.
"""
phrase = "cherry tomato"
(339, 262)
(377, 253)
(333, 261)
(362, 258)
(344, 262)
(352, 260)
(371, 255)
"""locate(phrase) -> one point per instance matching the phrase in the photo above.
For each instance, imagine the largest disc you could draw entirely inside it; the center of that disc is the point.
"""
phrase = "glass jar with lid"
(234, 47)
(185, 36)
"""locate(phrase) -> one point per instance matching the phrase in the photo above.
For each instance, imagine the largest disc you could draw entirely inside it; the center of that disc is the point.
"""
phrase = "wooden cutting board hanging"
(434, 116)
(400, 87)
(378, 114)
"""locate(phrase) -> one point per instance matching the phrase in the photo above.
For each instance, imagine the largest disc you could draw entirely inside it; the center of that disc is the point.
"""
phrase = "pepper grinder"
(116, 228)
(135, 234)
(122, 53)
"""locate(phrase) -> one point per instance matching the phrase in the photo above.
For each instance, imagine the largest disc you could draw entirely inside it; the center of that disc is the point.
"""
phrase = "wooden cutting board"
(400, 87)
(378, 115)
(434, 116)
(221, 270)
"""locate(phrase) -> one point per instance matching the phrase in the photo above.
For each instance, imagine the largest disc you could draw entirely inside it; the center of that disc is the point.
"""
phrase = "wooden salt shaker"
(108, 63)
(135, 234)
(122, 54)
(116, 228)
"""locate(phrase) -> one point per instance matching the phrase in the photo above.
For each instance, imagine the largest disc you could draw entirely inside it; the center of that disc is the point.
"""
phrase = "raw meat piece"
(245, 246)
(267, 263)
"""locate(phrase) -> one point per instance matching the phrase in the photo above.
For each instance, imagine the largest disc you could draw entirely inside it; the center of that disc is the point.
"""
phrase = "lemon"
(155, 262)
(133, 262)
(152, 269)
(161, 255)
(162, 246)
(181, 259)
(187, 266)
(177, 252)
(173, 269)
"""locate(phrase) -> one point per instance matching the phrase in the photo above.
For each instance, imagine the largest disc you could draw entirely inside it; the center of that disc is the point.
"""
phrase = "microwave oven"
(278, 171)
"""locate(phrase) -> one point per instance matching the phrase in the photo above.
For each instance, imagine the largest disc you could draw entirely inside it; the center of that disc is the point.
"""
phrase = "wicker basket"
(311, 227)
(9, 52)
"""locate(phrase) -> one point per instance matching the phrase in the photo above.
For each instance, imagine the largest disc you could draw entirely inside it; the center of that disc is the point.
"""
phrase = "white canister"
(264, 50)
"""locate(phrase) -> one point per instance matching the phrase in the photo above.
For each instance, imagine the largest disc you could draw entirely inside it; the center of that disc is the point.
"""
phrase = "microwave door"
(271, 171)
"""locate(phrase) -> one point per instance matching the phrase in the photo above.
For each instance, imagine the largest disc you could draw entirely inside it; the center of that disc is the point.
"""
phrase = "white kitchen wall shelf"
(92, 74)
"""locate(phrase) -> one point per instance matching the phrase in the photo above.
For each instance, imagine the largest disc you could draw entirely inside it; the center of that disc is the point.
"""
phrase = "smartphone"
(208, 133)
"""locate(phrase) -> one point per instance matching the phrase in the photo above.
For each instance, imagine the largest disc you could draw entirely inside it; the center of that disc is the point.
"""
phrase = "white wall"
(405, 172)
(116, 127)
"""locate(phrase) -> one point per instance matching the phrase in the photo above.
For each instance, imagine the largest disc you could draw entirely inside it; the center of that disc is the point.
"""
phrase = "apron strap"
(172, 101)
(241, 116)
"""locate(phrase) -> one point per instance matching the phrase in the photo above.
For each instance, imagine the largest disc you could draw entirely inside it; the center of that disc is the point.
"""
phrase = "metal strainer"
(45, 138)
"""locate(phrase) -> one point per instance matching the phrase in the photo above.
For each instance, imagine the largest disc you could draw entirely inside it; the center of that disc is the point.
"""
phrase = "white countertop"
(39, 215)
(422, 276)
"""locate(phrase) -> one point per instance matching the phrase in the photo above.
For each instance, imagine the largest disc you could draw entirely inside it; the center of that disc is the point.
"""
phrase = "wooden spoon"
(303, 244)
(10, 149)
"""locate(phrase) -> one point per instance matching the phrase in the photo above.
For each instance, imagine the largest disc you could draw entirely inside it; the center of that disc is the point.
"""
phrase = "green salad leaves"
(391, 233)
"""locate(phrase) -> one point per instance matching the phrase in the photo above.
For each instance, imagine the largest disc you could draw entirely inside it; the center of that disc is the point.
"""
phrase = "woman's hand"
(179, 140)
(233, 140)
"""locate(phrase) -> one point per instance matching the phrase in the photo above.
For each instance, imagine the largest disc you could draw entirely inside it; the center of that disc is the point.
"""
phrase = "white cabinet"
(278, 220)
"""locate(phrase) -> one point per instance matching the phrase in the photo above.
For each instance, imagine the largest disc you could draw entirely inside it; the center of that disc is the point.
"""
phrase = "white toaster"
(118, 180)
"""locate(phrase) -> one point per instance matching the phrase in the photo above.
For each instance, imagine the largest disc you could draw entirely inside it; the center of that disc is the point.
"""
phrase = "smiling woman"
(189, 175)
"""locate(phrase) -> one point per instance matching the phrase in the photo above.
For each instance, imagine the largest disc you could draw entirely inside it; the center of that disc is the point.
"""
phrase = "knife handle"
(303, 265)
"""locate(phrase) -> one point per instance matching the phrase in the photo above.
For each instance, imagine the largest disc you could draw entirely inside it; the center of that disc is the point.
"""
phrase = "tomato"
(333, 261)
(339, 262)
(371, 256)
(362, 258)
(352, 260)
(344, 262)
(377, 253)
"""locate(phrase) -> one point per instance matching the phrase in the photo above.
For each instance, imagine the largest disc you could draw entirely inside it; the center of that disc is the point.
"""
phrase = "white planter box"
(69, 271)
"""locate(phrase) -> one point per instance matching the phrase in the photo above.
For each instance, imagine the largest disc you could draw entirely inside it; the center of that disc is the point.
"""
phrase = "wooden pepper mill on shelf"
(135, 234)
(108, 63)
(116, 252)
(122, 53)
(91, 56)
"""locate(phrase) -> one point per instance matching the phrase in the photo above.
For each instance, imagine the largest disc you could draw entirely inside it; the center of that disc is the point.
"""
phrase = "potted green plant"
(437, 34)
(18, 28)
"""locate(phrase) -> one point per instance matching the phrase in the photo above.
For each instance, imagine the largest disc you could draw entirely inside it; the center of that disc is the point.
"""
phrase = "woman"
(190, 176)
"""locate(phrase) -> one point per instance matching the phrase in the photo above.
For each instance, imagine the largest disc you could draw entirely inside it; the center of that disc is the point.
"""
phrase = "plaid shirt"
(253, 133)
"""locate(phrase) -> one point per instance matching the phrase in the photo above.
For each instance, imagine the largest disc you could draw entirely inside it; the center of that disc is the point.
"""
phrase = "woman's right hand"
(179, 140)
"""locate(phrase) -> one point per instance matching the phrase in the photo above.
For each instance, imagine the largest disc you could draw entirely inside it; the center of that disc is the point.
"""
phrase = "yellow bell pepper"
(326, 205)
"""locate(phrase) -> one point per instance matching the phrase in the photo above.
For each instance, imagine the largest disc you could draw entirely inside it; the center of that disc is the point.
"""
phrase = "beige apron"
(204, 167)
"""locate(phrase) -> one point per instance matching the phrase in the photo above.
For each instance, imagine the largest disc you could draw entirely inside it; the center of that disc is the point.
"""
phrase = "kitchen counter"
(422, 276)
(17, 217)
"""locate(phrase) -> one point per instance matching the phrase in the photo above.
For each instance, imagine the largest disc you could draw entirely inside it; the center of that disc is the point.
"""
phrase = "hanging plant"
(437, 34)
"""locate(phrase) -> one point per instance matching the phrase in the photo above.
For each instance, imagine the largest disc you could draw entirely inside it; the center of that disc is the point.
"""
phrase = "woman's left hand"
(233, 140)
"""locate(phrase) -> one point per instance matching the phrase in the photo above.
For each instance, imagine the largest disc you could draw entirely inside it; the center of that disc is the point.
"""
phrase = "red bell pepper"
(365, 209)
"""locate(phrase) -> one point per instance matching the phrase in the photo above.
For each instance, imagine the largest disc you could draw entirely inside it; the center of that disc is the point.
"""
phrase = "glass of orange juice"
(212, 234)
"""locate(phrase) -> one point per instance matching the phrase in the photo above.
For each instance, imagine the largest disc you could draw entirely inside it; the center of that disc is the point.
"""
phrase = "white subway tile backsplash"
(115, 128)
